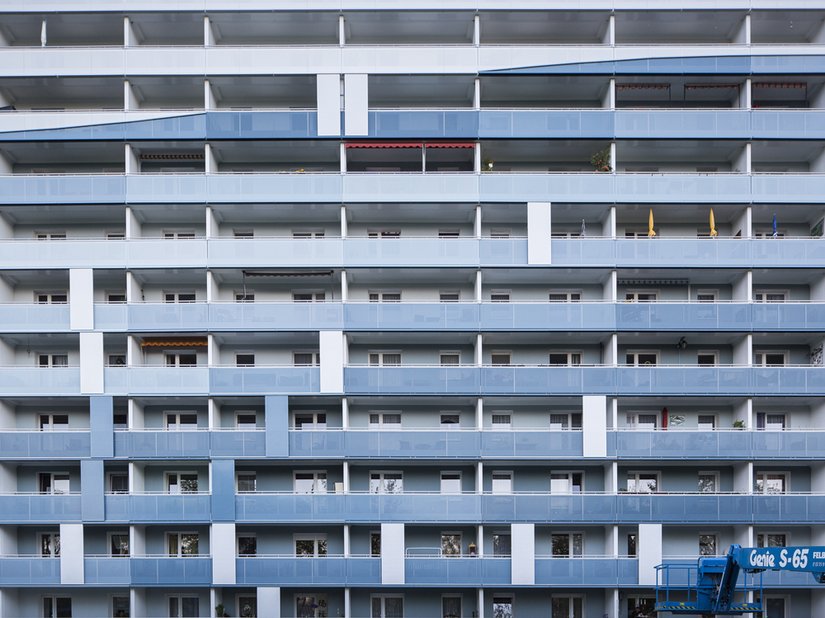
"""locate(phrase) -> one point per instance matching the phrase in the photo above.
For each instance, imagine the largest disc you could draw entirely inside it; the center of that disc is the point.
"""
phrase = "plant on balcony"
(739, 424)
(487, 165)
(601, 160)
(220, 612)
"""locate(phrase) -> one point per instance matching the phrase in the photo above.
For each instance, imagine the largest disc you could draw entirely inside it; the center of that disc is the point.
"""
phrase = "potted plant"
(739, 424)
(601, 160)
(472, 549)
(220, 612)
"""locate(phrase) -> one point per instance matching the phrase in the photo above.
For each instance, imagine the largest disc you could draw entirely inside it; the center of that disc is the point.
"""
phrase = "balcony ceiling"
(164, 276)
(412, 339)
(415, 90)
(402, 277)
(677, 26)
(536, 276)
(304, 27)
(411, 213)
(38, 278)
(65, 215)
(292, 152)
(305, 214)
(786, 26)
(309, 340)
(536, 26)
(520, 90)
(779, 276)
(179, 214)
(64, 28)
(705, 276)
(677, 151)
(366, 27)
(58, 92)
(764, 151)
(265, 90)
(64, 152)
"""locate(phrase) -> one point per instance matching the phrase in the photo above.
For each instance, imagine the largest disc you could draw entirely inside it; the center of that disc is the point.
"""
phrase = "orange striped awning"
(384, 145)
(177, 342)
(450, 145)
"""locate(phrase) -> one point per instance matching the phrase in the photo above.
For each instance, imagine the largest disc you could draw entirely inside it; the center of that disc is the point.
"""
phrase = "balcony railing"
(29, 570)
(148, 570)
(329, 570)
(160, 443)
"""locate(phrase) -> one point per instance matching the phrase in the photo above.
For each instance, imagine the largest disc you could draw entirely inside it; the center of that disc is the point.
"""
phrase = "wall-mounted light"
(681, 344)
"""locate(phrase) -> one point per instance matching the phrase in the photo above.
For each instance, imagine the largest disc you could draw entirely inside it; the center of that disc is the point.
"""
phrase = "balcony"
(590, 571)
(29, 571)
(724, 444)
(434, 443)
(39, 381)
(158, 507)
(457, 571)
(44, 444)
(148, 571)
(151, 444)
(34, 318)
(40, 508)
(308, 571)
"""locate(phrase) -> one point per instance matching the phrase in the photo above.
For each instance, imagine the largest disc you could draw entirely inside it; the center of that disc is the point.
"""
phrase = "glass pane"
(501, 544)
(119, 544)
(561, 544)
(247, 607)
(63, 607)
(247, 545)
(502, 607)
(189, 483)
(189, 544)
(191, 607)
(375, 544)
(451, 607)
(304, 547)
(120, 607)
(394, 607)
(450, 544)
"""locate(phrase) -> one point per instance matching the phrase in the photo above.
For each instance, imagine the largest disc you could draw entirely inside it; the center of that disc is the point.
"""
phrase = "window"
(567, 607)
(121, 607)
(246, 421)
(770, 421)
(375, 543)
(502, 607)
(708, 482)
(386, 482)
(385, 359)
(707, 359)
(775, 606)
(500, 422)
(244, 297)
(181, 544)
(448, 297)
(566, 544)
(306, 359)
(50, 235)
(499, 233)
(116, 360)
(631, 544)
(247, 544)
(247, 607)
(500, 359)
(772, 539)
(115, 235)
(244, 359)
(247, 482)
(500, 296)
(53, 360)
(565, 297)
(50, 544)
(448, 233)
(116, 298)
(51, 298)
(642, 482)
(119, 482)
(181, 482)
(184, 607)
(502, 482)
(641, 359)
(451, 482)
(178, 234)
(311, 546)
(769, 359)
(309, 297)
(181, 359)
(706, 296)
(310, 420)
(385, 297)
(449, 358)
(565, 420)
(53, 482)
(451, 606)
(119, 543)
(706, 422)
(243, 233)
(179, 297)
(384, 606)
(54, 422)
(641, 297)
(385, 420)
(57, 607)
(769, 296)
(566, 482)
(304, 234)
(502, 544)
(310, 482)
(565, 358)
(450, 421)
(383, 233)
(311, 606)
(450, 544)
(181, 421)
(771, 482)
(120, 420)
(642, 422)
(641, 607)
(708, 544)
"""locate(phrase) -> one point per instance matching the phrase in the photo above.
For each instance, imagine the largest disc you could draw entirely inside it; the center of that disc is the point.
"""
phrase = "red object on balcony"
(384, 144)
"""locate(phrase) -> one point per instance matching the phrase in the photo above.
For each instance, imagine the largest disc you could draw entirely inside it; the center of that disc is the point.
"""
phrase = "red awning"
(450, 145)
(384, 145)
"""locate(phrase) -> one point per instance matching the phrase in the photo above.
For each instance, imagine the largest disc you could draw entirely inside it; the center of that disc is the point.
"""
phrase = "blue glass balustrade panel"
(158, 507)
(107, 570)
(428, 124)
(263, 380)
(32, 318)
(433, 187)
(276, 124)
(263, 252)
(286, 316)
(158, 380)
(39, 380)
(576, 571)
(457, 571)
(410, 252)
(163, 444)
(411, 316)
(411, 380)
(112, 317)
(547, 316)
(798, 188)
(684, 123)
(788, 316)
(168, 316)
(237, 443)
(788, 123)
(542, 444)
(329, 571)
(787, 508)
(44, 444)
(167, 571)
(29, 571)
(502, 251)
(40, 508)
(552, 123)
(683, 316)
(678, 444)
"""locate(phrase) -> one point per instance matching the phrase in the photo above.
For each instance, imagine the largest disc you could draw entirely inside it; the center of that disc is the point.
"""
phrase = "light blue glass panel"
(161, 444)
(156, 380)
(168, 316)
(547, 316)
(188, 571)
(691, 124)
(553, 123)
(411, 316)
(263, 380)
(560, 571)
(29, 571)
(39, 381)
(398, 187)
(47, 445)
(34, 318)
(110, 571)
(410, 252)
(111, 317)
(531, 444)
(457, 571)
(286, 316)
(157, 507)
(40, 508)
(264, 252)
(423, 124)
(397, 380)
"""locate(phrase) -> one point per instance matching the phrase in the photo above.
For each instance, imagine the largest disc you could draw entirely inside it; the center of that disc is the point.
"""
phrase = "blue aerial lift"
(711, 586)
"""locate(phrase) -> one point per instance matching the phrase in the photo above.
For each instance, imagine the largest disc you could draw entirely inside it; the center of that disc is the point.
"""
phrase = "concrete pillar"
(91, 363)
(328, 93)
(222, 547)
(71, 554)
(332, 361)
(356, 104)
(538, 233)
(81, 299)
(130, 37)
(594, 425)
(523, 562)
(649, 548)
(392, 554)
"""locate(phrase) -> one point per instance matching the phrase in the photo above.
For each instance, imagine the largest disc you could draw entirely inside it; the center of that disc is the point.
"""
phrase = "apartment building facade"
(457, 308)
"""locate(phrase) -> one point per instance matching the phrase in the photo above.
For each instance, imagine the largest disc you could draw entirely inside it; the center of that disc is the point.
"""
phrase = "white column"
(81, 299)
(129, 36)
(332, 361)
(649, 547)
(479, 352)
(208, 31)
(538, 233)
(743, 477)
(356, 103)
(479, 477)
(594, 425)
(130, 99)
(210, 161)
(342, 31)
(477, 288)
(480, 540)
(742, 289)
(477, 93)
(523, 560)
(742, 163)
(222, 548)
(213, 413)
(477, 220)
(342, 158)
(209, 99)
(609, 99)
(137, 601)
(328, 93)
(743, 224)
(743, 35)
(344, 229)
(344, 287)
(479, 414)
(91, 363)
(345, 413)
(614, 164)
(480, 602)
(347, 603)
(71, 554)
(269, 601)
(610, 31)
(392, 554)
(136, 420)
(131, 161)
(743, 350)
(746, 96)
(744, 412)
(346, 540)
(132, 225)
(345, 475)
(213, 355)
(476, 30)
(212, 225)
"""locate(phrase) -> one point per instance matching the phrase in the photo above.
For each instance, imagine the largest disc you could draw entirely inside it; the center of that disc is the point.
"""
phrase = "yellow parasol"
(650, 231)
(713, 232)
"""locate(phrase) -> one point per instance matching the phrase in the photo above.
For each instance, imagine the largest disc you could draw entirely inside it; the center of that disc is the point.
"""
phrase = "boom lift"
(711, 587)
